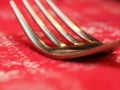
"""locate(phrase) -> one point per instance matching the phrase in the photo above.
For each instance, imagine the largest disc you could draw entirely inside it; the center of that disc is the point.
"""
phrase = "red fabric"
(23, 68)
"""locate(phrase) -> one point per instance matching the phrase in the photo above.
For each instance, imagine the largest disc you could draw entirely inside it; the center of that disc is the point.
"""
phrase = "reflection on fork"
(62, 50)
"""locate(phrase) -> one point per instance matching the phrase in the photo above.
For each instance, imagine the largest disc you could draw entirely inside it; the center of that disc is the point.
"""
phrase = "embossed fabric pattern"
(23, 68)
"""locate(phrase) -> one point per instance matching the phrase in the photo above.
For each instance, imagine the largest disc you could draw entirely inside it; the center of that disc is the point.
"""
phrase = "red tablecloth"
(23, 68)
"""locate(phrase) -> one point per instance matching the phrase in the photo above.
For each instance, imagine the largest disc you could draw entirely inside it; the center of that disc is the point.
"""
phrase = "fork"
(61, 50)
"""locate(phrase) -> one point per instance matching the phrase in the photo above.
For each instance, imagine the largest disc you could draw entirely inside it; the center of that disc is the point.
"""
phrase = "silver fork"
(62, 50)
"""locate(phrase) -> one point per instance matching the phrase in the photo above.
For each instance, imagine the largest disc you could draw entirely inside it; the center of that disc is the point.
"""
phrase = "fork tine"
(42, 25)
(71, 25)
(58, 27)
(28, 30)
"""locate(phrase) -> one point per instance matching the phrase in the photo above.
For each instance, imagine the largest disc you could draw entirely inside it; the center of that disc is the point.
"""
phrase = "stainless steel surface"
(62, 50)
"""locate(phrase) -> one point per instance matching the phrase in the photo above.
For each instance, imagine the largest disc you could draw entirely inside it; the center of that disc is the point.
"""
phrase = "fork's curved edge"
(91, 51)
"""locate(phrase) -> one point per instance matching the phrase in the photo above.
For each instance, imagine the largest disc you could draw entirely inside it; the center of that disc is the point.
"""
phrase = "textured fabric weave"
(23, 68)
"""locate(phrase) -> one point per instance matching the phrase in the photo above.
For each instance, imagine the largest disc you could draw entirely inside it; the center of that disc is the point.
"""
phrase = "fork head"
(77, 48)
